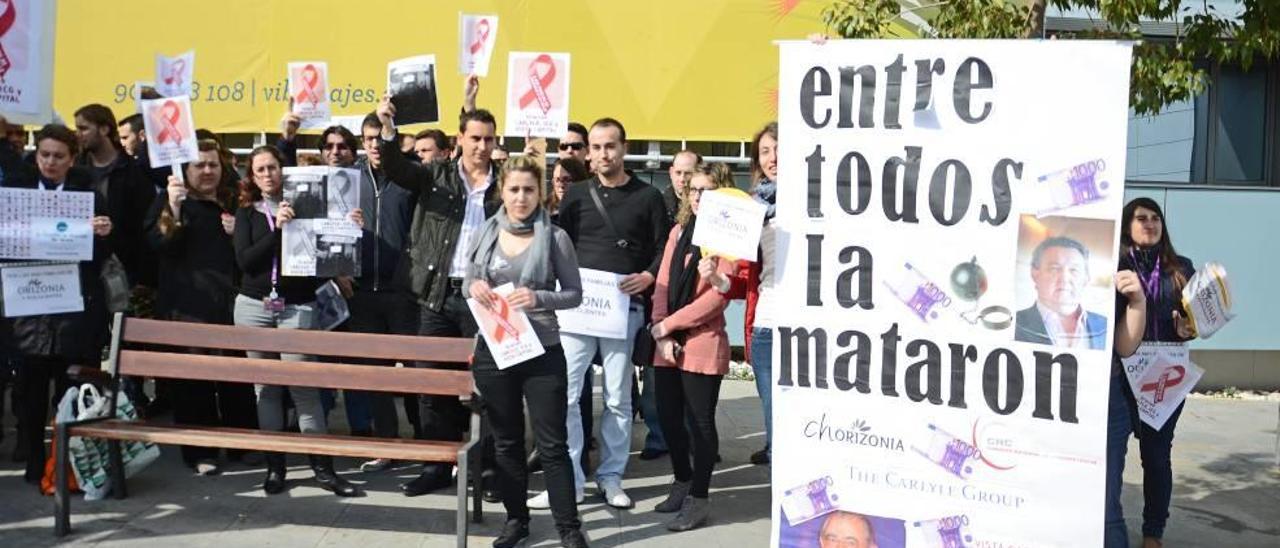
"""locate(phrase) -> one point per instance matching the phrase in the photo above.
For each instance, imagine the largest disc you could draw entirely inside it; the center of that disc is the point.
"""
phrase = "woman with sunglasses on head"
(692, 354)
(1146, 249)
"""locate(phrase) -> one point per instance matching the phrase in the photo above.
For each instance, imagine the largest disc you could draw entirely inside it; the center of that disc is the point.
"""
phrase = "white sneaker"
(542, 501)
(611, 489)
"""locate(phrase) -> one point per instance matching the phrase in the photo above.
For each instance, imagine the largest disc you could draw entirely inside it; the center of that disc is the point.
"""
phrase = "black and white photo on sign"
(321, 240)
(412, 83)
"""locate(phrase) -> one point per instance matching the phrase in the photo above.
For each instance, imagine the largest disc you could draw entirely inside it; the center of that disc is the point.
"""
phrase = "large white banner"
(948, 211)
(26, 60)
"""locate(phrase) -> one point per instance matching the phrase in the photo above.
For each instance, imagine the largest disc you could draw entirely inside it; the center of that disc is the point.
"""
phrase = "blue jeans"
(1119, 426)
(615, 419)
(649, 408)
(1155, 447)
(762, 366)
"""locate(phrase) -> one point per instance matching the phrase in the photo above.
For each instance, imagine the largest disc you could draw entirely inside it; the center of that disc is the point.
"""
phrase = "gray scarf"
(537, 264)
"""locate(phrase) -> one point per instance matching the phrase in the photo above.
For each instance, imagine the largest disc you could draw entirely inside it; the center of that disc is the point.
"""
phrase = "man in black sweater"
(452, 200)
(628, 242)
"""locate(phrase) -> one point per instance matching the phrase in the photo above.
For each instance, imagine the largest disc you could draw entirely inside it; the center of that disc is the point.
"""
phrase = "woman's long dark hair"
(1164, 248)
(249, 191)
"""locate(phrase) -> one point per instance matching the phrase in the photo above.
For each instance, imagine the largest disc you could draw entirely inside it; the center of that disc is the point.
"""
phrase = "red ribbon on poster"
(501, 314)
(482, 34)
(310, 85)
(175, 73)
(170, 115)
(7, 19)
(538, 84)
(1165, 382)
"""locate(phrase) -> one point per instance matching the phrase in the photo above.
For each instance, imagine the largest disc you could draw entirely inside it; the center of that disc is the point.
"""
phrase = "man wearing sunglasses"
(337, 147)
(574, 144)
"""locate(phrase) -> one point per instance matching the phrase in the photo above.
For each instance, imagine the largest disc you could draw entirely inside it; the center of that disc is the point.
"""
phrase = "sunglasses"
(574, 146)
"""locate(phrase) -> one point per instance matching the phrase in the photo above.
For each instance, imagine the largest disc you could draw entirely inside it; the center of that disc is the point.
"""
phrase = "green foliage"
(1163, 71)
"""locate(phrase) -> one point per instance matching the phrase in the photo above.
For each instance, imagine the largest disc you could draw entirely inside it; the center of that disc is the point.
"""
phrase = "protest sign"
(41, 289)
(506, 331)
(309, 88)
(40, 225)
(1160, 376)
(477, 35)
(729, 224)
(171, 134)
(1207, 300)
(174, 75)
(321, 240)
(603, 312)
(412, 83)
(902, 210)
(26, 60)
(537, 94)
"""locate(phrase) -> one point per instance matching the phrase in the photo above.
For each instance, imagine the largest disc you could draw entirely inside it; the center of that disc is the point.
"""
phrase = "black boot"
(513, 532)
(322, 465)
(274, 482)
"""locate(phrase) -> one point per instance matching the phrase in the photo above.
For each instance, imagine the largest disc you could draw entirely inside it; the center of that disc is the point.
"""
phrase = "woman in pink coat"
(692, 354)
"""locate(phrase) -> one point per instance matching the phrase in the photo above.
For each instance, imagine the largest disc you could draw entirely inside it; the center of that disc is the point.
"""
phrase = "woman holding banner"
(268, 299)
(754, 281)
(1147, 250)
(692, 354)
(519, 245)
(190, 227)
(49, 343)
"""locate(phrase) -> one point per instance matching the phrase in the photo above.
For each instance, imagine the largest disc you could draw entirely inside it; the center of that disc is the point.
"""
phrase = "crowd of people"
(446, 220)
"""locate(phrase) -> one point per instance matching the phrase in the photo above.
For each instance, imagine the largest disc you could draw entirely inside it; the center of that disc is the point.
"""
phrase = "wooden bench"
(164, 356)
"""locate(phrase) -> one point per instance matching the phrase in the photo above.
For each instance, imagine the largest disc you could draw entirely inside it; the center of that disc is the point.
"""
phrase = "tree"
(1165, 70)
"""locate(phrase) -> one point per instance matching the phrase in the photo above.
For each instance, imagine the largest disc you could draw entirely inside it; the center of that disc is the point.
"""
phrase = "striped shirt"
(472, 219)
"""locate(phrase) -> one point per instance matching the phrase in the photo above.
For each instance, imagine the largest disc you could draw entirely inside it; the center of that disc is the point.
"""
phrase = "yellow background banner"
(668, 69)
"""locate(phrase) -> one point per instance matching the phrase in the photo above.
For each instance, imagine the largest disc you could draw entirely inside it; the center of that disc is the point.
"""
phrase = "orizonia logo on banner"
(946, 240)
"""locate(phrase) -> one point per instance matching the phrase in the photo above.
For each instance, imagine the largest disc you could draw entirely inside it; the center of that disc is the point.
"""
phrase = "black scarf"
(684, 270)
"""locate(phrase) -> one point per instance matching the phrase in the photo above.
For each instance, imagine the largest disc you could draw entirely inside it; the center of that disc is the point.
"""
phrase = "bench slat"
(290, 373)
(257, 440)
(294, 341)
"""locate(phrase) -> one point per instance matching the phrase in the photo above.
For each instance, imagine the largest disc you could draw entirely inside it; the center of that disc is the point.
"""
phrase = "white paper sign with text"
(1161, 375)
(477, 36)
(729, 224)
(171, 134)
(309, 88)
(26, 60)
(41, 289)
(506, 331)
(537, 94)
(604, 308)
(174, 74)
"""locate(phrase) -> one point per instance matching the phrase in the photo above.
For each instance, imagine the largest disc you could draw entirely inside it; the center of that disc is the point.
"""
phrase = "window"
(1240, 127)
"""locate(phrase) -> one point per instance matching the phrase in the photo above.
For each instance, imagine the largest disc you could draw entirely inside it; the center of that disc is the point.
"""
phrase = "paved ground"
(1227, 494)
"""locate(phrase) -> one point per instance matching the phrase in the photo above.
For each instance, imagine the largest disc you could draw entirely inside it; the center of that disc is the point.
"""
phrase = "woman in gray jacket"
(518, 245)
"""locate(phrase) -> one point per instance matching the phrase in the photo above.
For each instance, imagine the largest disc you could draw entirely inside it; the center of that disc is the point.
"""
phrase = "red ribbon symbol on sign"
(175, 73)
(310, 85)
(168, 118)
(504, 327)
(1165, 381)
(482, 34)
(7, 19)
(538, 84)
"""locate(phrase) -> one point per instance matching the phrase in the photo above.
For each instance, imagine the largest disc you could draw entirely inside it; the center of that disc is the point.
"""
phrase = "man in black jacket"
(378, 303)
(452, 201)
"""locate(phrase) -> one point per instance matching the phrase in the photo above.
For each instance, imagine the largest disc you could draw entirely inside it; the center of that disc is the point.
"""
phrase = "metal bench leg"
(61, 496)
(461, 517)
(118, 488)
(475, 455)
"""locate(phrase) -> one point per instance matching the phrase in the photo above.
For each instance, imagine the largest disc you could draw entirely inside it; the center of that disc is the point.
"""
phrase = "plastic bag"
(66, 412)
(1207, 300)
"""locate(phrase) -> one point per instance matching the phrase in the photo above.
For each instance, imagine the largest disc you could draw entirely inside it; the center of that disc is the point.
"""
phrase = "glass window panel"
(1164, 146)
(1240, 128)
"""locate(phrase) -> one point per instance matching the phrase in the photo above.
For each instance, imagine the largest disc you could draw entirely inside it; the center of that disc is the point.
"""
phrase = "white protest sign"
(309, 88)
(604, 308)
(174, 74)
(171, 134)
(412, 84)
(1207, 300)
(891, 408)
(506, 331)
(26, 60)
(729, 224)
(42, 225)
(41, 289)
(537, 94)
(477, 35)
(1161, 375)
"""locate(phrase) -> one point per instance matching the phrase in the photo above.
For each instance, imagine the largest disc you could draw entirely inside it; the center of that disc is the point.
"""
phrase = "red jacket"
(744, 283)
(706, 345)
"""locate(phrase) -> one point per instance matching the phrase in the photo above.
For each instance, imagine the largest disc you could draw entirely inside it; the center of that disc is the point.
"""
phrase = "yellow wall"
(669, 69)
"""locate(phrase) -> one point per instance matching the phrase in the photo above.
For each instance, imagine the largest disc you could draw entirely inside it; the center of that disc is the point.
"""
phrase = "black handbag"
(643, 345)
